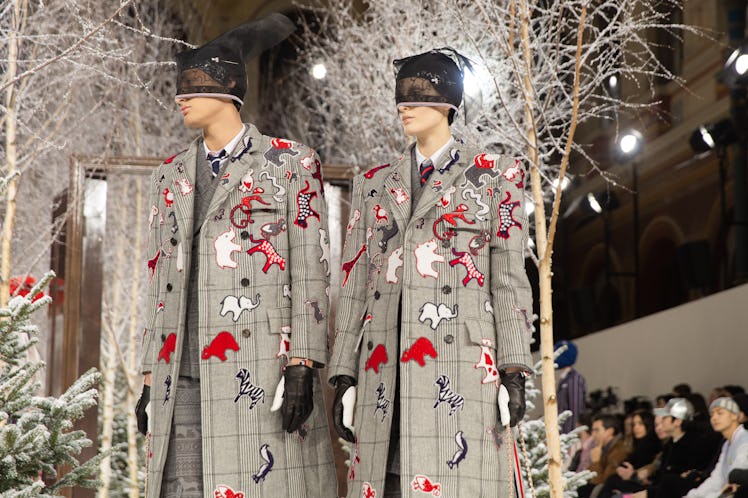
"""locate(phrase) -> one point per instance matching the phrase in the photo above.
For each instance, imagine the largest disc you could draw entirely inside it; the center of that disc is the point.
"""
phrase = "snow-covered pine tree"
(36, 433)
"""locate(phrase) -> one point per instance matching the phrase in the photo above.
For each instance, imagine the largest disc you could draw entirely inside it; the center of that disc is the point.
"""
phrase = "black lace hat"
(218, 68)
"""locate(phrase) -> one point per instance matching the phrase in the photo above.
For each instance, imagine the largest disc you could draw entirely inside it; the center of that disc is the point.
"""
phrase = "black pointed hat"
(218, 68)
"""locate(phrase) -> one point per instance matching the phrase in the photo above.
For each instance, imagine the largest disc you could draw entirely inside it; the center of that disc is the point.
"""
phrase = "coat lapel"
(184, 173)
(235, 169)
(446, 173)
(397, 190)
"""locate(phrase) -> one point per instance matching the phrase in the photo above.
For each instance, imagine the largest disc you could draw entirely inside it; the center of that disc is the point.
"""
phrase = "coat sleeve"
(352, 298)
(147, 354)
(510, 288)
(308, 237)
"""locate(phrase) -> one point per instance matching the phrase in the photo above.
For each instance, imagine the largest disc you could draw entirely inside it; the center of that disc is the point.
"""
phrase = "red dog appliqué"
(271, 255)
(506, 216)
(418, 351)
(464, 258)
(219, 345)
(304, 204)
(226, 492)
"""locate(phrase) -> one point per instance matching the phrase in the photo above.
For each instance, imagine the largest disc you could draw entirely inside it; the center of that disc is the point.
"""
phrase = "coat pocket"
(279, 326)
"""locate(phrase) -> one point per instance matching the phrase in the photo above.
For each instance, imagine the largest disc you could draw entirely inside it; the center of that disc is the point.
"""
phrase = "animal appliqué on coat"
(515, 174)
(245, 208)
(373, 171)
(153, 215)
(387, 233)
(285, 345)
(280, 190)
(355, 217)
(168, 197)
(304, 205)
(169, 346)
(279, 148)
(273, 228)
(236, 305)
(487, 362)
(483, 164)
(506, 216)
(246, 388)
(271, 255)
(226, 492)
(266, 467)
(478, 242)
(400, 194)
(219, 345)
(375, 268)
(461, 452)
(426, 257)
(225, 246)
(447, 395)
(377, 358)
(185, 187)
(380, 214)
(167, 393)
(424, 485)
(464, 258)
(174, 225)
(418, 351)
(430, 311)
(367, 491)
(451, 220)
(324, 245)
(246, 184)
(482, 213)
(394, 261)
(446, 198)
(318, 315)
(348, 265)
(383, 403)
(153, 262)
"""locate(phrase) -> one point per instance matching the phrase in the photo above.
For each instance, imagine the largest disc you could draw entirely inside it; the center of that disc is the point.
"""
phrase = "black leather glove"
(298, 400)
(515, 386)
(140, 414)
(342, 383)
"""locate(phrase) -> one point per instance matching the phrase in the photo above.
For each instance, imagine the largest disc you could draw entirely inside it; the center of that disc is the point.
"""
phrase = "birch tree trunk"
(20, 9)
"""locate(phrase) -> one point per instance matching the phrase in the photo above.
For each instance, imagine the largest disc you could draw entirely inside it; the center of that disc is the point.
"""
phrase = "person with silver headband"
(236, 323)
(434, 318)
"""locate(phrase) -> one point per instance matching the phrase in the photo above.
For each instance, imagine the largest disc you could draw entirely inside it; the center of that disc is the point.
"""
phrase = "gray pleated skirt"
(183, 470)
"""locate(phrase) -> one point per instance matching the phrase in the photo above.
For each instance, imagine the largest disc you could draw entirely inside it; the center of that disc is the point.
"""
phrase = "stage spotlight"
(613, 86)
(319, 71)
(735, 72)
(594, 204)
(564, 183)
(707, 137)
(628, 145)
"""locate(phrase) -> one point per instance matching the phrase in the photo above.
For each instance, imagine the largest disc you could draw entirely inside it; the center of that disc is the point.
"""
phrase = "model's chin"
(191, 123)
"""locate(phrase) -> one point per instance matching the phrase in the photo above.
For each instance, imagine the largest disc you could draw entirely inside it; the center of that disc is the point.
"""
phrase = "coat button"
(169, 287)
(446, 289)
(377, 295)
(449, 338)
(245, 282)
(173, 241)
(369, 345)
(244, 235)
(246, 333)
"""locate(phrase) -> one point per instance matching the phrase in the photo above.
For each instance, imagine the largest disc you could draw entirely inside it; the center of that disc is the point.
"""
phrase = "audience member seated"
(581, 459)
(724, 417)
(662, 399)
(742, 401)
(684, 456)
(608, 453)
(681, 390)
(646, 447)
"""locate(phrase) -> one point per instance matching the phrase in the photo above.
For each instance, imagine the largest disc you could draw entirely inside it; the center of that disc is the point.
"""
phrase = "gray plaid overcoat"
(263, 284)
(455, 271)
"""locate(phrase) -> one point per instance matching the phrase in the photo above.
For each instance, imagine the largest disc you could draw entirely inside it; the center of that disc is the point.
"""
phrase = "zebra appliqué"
(246, 388)
(383, 403)
(447, 395)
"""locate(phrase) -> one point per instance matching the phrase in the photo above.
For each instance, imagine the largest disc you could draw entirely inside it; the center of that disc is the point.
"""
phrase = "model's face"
(638, 427)
(422, 121)
(722, 419)
(198, 112)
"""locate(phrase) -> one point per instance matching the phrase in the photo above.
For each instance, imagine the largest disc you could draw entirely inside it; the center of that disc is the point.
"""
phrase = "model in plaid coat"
(438, 291)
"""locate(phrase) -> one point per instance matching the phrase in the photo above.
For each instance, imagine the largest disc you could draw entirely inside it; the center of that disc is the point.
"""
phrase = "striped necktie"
(215, 161)
(425, 170)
